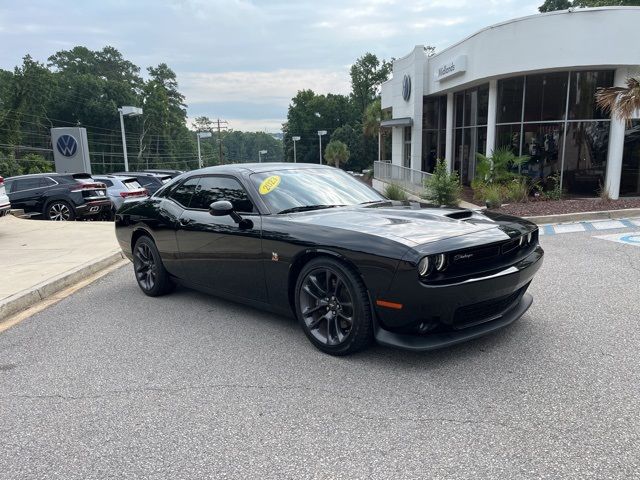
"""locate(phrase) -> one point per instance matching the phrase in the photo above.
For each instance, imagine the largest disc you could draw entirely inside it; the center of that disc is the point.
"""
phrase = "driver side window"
(212, 189)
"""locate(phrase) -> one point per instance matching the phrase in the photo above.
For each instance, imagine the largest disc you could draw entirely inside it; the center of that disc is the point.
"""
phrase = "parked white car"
(5, 204)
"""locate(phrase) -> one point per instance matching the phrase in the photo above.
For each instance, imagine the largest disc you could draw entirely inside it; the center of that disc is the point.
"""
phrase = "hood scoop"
(460, 215)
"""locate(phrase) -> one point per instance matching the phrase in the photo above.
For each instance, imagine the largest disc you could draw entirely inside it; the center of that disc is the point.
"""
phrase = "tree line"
(83, 87)
(553, 5)
(351, 121)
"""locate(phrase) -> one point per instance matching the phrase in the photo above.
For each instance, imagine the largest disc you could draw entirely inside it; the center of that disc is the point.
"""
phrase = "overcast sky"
(243, 60)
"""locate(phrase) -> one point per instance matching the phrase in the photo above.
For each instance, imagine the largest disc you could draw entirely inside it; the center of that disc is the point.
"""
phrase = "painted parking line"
(632, 238)
(608, 225)
(596, 225)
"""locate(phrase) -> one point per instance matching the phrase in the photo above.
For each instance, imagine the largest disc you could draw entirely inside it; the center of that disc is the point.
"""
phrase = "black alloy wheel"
(152, 277)
(333, 307)
(59, 211)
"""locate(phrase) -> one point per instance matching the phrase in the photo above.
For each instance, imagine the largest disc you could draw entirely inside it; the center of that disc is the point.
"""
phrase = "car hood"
(412, 223)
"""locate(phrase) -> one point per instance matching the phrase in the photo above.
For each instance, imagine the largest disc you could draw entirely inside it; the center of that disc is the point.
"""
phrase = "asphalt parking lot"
(109, 383)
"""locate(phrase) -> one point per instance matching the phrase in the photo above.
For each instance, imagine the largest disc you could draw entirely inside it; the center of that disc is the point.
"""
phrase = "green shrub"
(555, 192)
(494, 195)
(500, 166)
(442, 188)
(394, 192)
(518, 190)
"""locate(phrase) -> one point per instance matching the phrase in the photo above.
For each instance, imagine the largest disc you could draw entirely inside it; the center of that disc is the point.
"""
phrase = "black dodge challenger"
(313, 242)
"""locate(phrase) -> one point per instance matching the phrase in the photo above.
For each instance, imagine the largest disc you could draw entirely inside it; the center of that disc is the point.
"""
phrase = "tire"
(153, 279)
(59, 211)
(333, 307)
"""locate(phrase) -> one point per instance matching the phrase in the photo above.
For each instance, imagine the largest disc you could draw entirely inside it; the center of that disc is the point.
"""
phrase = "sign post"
(71, 150)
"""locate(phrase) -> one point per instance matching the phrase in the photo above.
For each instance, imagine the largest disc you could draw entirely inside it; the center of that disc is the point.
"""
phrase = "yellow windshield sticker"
(269, 184)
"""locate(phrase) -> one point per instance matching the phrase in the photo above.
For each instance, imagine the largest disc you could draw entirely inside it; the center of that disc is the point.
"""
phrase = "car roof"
(258, 167)
(115, 177)
(45, 174)
(139, 174)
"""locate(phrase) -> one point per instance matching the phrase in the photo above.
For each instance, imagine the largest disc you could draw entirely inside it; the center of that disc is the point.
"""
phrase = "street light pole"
(124, 141)
(126, 112)
(295, 139)
(200, 135)
(320, 134)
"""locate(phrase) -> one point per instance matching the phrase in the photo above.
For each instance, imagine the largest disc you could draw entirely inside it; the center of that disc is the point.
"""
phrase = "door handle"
(185, 221)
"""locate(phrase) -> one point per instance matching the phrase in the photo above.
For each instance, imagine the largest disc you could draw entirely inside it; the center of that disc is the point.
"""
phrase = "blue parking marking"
(633, 238)
(628, 223)
(595, 226)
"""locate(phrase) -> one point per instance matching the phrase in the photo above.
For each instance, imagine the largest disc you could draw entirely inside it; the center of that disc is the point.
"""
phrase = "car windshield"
(311, 188)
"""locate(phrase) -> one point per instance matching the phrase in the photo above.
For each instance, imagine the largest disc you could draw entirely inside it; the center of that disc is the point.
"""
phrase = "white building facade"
(527, 84)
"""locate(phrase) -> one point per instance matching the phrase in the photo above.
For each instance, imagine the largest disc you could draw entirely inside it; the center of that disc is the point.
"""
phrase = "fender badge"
(274, 256)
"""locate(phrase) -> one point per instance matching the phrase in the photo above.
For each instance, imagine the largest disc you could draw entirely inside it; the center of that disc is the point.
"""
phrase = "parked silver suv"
(121, 190)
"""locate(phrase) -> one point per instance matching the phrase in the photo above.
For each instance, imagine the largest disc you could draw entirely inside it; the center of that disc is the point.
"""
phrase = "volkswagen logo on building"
(67, 145)
(406, 88)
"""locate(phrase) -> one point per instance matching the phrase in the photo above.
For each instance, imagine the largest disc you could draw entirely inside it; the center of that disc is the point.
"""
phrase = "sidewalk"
(38, 258)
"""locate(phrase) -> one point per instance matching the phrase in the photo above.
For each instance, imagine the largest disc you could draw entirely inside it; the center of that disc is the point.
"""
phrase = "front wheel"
(333, 307)
(153, 279)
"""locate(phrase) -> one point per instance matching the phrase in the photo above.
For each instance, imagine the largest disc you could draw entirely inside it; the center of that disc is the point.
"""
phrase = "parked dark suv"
(58, 196)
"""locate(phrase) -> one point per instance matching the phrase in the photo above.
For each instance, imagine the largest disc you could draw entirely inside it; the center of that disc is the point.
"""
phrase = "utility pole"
(222, 125)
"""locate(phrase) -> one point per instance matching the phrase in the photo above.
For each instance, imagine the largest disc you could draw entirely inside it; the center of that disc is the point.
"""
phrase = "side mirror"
(221, 208)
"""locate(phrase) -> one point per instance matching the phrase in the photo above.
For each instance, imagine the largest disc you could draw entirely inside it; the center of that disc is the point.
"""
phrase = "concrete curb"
(585, 216)
(26, 298)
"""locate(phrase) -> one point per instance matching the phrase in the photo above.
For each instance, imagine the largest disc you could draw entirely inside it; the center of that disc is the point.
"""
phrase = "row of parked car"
(64, 196)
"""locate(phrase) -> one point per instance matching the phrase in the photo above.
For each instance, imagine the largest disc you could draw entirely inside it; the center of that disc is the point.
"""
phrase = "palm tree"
(371, 119)
(622, 102)
(336, 152)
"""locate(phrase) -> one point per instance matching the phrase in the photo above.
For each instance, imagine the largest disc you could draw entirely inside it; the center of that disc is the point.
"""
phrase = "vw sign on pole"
(71, 150)
(67, 145)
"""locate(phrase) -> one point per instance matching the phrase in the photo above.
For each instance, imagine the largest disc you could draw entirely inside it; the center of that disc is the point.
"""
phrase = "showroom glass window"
(406, 150)
(553, 118)
(630, 178)
(471, 107)
(434, 131)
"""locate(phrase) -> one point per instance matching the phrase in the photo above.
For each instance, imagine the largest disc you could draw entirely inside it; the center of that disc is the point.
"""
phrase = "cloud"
(260, 88)
(245, 59)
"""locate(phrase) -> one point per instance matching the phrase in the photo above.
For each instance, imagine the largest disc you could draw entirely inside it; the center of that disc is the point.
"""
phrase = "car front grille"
(486, 311)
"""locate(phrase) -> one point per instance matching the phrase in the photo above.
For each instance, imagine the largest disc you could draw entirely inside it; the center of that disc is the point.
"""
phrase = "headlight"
(433, 262)
(529, 237)
(424, 266)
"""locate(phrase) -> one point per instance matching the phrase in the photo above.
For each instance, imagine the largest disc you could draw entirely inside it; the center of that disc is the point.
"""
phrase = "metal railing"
(407, 178)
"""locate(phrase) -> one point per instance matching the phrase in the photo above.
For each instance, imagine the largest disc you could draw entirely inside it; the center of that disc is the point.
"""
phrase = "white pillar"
(448, 156)
(491, 116)
(616, 143)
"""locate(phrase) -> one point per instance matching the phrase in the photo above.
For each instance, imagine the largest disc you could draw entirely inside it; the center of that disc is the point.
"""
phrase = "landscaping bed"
(556, 207)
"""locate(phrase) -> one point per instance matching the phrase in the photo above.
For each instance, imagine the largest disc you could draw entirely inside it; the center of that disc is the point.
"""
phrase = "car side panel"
(285, 243)
(157, 217)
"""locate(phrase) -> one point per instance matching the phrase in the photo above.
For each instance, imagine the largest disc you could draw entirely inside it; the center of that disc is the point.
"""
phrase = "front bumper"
(443, 315)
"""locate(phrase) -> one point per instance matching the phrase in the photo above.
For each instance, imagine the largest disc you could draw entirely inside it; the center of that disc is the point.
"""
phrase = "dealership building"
(527, 84)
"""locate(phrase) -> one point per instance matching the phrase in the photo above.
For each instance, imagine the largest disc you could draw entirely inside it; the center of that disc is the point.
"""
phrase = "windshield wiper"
(374, 201)
(305, 208)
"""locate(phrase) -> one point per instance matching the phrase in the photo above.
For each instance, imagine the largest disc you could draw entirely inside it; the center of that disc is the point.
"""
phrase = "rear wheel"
(60, 211)
(333, 307)
(153, 279)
